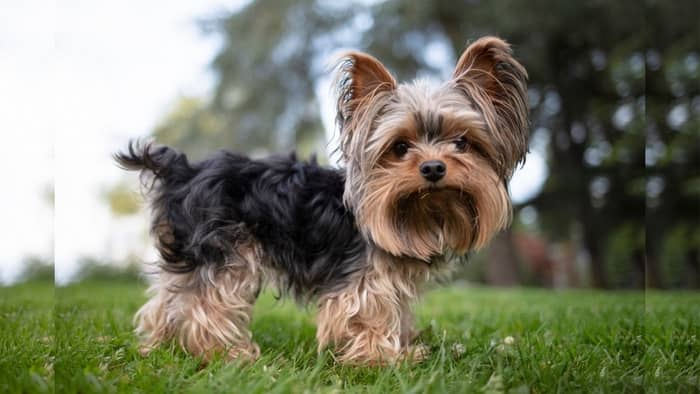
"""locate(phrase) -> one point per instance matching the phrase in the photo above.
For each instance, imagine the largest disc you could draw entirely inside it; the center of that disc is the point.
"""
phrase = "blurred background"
(609, 196)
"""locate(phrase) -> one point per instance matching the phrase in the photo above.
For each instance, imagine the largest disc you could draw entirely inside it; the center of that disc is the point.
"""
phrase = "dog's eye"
(461, 144)
(400, 148)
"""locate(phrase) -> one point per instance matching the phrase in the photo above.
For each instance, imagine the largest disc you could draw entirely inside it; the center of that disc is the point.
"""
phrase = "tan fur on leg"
(208, 311)
(154, 322)
(370, 321)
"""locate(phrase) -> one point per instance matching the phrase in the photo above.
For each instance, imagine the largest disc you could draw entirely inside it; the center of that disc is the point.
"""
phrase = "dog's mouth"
(441, 217)
(434, 199)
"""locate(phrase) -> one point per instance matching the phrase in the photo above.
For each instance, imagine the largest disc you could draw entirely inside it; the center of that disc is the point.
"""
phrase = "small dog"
(425, 180)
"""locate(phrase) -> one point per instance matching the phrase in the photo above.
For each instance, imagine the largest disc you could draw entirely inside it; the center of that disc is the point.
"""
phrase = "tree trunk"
(597, 265)
(502, 268)
(692, 260)
(651, 272)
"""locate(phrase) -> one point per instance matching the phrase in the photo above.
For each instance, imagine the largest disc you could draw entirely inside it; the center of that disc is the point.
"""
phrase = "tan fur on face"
(395, 207)
(401, 212)
(370, 320)
(207, 311)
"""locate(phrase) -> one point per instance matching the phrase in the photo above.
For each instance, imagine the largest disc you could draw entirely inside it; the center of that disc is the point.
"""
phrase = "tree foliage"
(613, 91)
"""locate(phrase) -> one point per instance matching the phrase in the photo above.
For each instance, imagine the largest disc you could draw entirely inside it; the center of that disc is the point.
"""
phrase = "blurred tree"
(48, 195)
(673, 144)
(267, 70)
(122, 199)
(37, 269)
(110, 271)
(194, 127)
(588, 66)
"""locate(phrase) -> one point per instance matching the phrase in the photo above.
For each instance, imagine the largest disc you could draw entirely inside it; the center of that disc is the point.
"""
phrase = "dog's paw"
(245, 353)
(416, 353)
(145, 350)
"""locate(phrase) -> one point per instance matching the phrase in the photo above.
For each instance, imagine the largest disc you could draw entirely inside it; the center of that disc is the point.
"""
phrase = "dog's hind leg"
(155, 320)
(207, 311)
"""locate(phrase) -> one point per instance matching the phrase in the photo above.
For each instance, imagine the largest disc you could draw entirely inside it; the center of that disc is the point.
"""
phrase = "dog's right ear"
(360, 78)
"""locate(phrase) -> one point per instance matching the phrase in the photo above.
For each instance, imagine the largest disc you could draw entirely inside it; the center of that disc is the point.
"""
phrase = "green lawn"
(27, 348)
(580, 341)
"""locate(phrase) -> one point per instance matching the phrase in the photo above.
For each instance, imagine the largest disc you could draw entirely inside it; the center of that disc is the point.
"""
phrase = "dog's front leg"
(370, 321)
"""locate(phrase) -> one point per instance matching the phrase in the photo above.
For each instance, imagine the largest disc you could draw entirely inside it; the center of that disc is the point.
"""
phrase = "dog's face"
(427, 167)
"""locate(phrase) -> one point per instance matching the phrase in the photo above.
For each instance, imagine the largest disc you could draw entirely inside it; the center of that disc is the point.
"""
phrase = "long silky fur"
(203, 212)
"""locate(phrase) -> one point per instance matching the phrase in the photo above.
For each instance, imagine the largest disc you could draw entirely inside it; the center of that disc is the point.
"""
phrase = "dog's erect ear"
(496, 83)
(360, 79)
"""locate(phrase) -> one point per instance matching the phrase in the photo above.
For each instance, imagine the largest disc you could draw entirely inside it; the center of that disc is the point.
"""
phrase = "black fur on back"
(292, 208)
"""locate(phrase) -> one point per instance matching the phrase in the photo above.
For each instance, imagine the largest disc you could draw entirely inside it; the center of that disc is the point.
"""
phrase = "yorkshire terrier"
(425, 180)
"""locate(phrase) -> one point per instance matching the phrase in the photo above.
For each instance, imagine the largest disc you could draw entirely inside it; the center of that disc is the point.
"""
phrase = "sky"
(26, 153)
(78, 79)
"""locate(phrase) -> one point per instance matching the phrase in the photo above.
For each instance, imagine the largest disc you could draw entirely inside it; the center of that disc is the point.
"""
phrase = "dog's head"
(427, 167)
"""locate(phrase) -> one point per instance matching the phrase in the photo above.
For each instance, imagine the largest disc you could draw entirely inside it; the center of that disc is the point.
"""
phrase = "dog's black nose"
(433, 170)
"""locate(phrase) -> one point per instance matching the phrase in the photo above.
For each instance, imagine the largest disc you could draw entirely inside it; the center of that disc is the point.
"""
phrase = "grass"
(27, 338)
(581, 341)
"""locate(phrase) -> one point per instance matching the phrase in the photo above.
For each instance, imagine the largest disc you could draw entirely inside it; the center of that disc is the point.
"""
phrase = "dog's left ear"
(497, 84)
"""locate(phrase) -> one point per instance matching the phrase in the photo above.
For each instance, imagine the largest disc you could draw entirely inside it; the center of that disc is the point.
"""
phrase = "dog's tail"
(165, 163)
(163, 172)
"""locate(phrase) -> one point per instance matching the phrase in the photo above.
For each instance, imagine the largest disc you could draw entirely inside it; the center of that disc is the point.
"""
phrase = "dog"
(424, 181)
